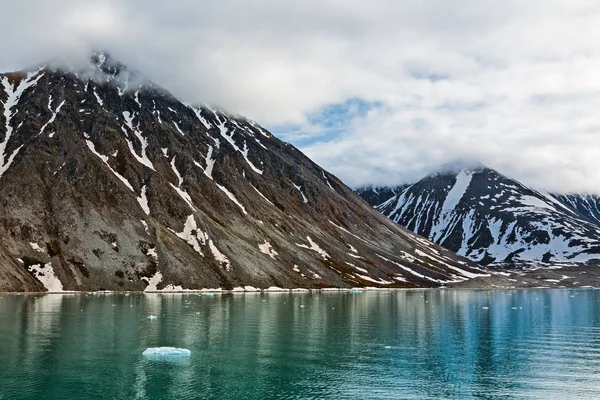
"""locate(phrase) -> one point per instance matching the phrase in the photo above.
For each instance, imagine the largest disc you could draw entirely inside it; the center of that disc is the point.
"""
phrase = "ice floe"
(159, 352)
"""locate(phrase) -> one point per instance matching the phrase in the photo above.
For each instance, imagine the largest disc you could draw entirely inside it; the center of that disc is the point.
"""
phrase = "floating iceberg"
(151, 317)
(166, 352)
(355, 291)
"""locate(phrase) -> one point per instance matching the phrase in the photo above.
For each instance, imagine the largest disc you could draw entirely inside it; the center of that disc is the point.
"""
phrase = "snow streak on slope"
(586, 205)
(55, 113)
(299, 188)
(13, 96)
(229, 138)
(220, 257)
(210, 162)
(446, 215)
(262, 195)
(199, 116)
(232, 198)
(182, 193)
(143, 200)
(104, 159)
(143, 159)
(314, 247)
(192, 235)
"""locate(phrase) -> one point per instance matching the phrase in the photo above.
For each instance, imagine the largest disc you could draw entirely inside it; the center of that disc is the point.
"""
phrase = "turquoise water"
(394, 344)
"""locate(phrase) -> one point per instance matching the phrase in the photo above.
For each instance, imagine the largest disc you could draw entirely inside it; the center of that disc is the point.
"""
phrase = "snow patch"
(409, 270)
(45, 274)
(220, 257)
(210, 162)
(143, 200)
(36, 247)
(153, 282)
(267, 249)
(378, 281)
(192, 235)
(299, 188)
(314, 247)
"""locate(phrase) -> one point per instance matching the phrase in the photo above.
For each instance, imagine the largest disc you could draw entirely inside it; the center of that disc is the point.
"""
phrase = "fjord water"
(386, 344)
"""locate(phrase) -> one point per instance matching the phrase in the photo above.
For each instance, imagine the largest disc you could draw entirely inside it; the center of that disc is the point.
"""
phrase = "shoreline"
(302, 291)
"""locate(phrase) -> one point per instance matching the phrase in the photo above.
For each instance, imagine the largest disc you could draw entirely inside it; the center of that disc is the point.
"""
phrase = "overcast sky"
(378, 91)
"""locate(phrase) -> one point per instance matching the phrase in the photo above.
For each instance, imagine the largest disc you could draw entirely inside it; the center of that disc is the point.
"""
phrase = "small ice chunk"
(355, 291)
(166, 352)
(152, 317)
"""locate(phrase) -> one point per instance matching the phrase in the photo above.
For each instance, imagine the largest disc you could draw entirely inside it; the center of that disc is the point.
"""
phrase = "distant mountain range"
(492, 219)
(108, 182)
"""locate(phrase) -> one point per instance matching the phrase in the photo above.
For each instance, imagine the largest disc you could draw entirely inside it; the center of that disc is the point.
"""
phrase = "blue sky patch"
(325, 123)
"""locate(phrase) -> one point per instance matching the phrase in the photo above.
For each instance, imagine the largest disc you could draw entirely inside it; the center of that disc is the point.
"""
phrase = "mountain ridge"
(108, 184)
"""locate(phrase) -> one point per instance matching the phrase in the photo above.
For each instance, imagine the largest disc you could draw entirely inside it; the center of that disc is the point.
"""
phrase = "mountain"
(494, 220)
(108, 182)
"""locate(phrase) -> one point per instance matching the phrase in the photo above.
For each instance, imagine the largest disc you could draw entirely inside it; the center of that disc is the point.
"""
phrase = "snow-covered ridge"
(490, 218)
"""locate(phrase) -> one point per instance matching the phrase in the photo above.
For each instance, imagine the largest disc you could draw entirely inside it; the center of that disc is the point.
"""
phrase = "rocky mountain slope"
(587, 206)
(376, 195)
(109, 182)
(492, 219)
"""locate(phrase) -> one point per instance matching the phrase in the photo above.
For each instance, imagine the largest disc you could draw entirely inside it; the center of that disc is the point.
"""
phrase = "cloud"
(377, 92)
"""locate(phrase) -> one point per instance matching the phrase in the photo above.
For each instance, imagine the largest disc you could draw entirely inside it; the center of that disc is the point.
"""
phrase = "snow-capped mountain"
(109, 182)
(492, 219)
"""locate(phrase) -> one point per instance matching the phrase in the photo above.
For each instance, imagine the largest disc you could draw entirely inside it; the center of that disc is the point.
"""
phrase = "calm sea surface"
(542, 344)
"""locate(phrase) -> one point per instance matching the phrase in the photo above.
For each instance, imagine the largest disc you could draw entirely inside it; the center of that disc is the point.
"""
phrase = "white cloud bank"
(514, 84)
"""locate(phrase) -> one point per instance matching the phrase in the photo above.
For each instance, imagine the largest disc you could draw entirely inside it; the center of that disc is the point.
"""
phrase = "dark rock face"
(495, 220)
(109, 182)
(585, 205)
(376, 195)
